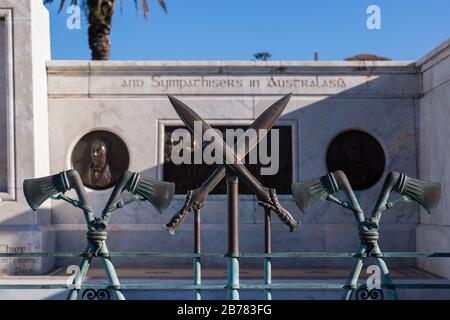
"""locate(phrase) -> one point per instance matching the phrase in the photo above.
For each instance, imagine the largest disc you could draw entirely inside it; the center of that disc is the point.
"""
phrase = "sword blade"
(189, 117)
(195, 198)
(262, 126)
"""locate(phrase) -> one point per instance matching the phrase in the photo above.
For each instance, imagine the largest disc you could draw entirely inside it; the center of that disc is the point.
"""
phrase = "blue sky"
(288, 29)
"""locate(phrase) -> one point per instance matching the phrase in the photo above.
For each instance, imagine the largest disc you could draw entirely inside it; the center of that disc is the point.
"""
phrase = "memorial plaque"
(190, 176)
(17, 265)
(3, 110)
(359, 155)
(100, 157)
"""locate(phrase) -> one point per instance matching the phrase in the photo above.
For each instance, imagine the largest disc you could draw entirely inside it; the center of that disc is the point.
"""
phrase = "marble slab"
(434, 165)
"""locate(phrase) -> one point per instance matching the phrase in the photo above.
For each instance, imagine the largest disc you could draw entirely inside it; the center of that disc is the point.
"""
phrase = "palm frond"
(162, 4)
(146, 7)
(144, 4)
(62, 3)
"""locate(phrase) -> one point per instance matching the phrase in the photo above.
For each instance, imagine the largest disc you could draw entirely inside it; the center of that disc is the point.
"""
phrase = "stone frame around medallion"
(7, 91)
(246, 197)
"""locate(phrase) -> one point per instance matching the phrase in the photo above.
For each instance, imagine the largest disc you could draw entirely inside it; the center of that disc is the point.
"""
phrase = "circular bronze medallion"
(100, 157)
(359, 155)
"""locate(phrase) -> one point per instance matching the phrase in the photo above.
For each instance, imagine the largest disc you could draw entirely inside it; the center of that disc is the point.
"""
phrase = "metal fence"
(367, 229)
(233, 284)
(352, 288)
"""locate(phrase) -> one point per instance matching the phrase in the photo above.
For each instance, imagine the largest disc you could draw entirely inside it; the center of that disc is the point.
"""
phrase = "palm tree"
(100, 13)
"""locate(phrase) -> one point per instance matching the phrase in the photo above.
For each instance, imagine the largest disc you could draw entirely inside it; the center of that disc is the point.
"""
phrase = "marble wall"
(25, 37)
(402, 104)
(3, 108)
(130, 99)
(433, 234)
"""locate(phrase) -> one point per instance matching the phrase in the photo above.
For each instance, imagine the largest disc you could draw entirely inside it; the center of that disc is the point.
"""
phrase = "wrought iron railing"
(102, 291)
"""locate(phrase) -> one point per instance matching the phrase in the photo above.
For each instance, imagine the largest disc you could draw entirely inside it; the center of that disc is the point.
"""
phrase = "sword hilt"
(178, 218)
(281, 212)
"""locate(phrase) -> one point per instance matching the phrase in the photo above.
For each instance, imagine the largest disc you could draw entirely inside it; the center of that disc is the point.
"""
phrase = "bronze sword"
(196, 198)
(267, 197)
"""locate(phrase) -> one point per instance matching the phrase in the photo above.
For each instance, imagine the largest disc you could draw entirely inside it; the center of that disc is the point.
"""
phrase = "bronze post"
(267, 231)
(197, 250)
(267, 250)
(197, 231)
(233, 235)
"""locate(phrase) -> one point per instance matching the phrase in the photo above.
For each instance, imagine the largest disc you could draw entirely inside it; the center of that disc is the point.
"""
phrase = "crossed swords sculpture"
(158, 193)
(195, 199)
(425, 193)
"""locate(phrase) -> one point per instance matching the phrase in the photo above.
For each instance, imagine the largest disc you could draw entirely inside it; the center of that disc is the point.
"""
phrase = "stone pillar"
(24, 50)
(433, 233)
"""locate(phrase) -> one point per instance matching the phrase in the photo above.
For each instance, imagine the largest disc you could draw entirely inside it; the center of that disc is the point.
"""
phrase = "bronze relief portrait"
(359, 155)
(100, 157)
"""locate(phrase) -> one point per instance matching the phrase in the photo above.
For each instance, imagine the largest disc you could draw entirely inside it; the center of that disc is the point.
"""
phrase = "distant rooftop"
(367, 57)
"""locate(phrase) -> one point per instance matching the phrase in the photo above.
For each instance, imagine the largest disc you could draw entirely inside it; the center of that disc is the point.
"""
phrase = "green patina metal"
(232, 285)
(197, 251)
(242, 255)
(425, 193)
(233, 236)
(96, 247)
(38, 190)
(267, 250)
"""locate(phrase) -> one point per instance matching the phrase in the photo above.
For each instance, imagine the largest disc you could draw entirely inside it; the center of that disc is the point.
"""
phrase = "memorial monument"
(24, 133)
(367, 118)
